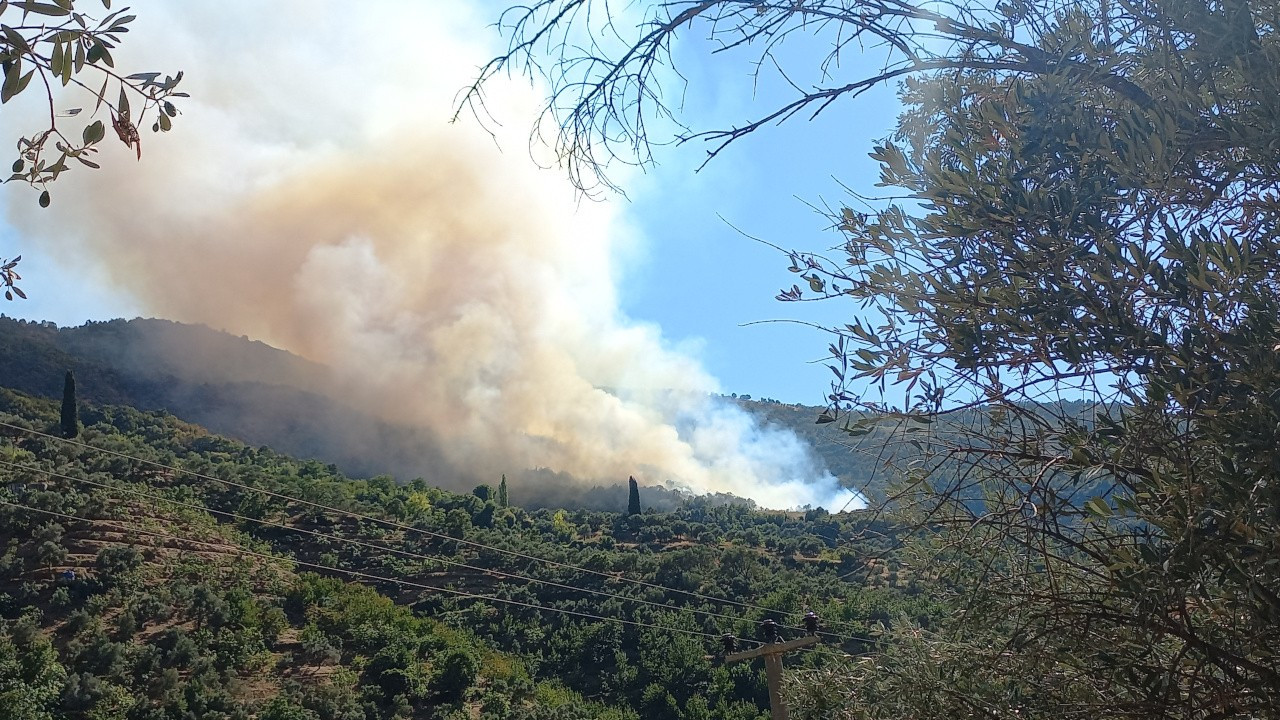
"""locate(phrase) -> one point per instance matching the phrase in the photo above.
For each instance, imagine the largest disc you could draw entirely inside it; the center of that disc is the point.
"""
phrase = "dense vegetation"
(158, 593)
(1083, 204)
(1081, 201)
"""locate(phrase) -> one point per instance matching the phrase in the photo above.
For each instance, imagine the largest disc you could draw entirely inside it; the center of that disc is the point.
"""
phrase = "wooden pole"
(773, 670)
(772, 654)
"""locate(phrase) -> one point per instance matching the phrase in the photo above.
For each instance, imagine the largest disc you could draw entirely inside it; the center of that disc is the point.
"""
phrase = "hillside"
(213, 579)
(264, 396)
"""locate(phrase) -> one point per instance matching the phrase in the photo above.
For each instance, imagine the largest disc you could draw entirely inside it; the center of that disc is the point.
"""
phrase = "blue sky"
(702, 278)
(690, 273)
(766, 185)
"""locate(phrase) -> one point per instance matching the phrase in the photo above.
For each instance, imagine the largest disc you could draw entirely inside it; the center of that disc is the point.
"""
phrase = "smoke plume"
(314, 195)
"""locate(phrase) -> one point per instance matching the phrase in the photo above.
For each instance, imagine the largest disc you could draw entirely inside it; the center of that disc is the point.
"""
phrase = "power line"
(354, 573)
(400, 526)
(355, 541)
(838, 654)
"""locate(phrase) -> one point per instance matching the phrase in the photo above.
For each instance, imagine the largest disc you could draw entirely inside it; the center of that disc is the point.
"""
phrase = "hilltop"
(264, 396)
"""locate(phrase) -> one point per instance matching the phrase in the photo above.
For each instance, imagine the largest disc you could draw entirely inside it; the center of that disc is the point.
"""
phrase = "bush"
(283, 708)
(455, 672)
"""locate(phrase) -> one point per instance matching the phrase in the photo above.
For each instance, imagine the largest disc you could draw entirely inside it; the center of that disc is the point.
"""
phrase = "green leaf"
(106, 57)
(1098, 507)
(59, 59)
(93, 133)
(14, 81)
(15, 39)
(102, 95)
(39, 8)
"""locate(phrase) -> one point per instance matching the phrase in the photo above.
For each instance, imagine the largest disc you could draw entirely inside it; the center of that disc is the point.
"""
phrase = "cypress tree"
(70, 416)
(633, 497)
(502, 492)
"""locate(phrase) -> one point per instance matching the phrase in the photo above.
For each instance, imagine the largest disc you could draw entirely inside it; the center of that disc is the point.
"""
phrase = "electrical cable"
(354, 573)
(363, 543)
(397, 525)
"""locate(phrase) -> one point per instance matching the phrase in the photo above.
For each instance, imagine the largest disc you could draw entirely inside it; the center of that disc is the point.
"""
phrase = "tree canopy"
(1083, 205)
(151, 569)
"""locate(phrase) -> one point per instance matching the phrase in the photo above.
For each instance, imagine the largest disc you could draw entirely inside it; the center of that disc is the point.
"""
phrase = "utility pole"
(772, 654)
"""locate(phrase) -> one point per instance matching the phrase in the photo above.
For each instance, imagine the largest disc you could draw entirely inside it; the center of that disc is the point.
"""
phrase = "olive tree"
(61, 44)
(1064, 313)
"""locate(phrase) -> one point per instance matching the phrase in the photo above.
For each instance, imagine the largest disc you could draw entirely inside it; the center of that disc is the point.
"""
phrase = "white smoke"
(313, 195)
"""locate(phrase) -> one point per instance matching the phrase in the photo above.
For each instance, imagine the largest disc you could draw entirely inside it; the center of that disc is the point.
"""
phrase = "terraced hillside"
(152, 569)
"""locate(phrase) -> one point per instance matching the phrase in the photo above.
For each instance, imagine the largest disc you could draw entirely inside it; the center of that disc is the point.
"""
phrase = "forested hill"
(151, 570)
(232, 385)
(264, 396)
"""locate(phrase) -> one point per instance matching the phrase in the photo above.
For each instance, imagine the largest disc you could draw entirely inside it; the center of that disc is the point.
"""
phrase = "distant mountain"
(265, 396)
(241, 388)
(858, 462)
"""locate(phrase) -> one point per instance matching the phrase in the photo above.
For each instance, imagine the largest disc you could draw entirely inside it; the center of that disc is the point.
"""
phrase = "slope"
(265, 396)
(619, 608)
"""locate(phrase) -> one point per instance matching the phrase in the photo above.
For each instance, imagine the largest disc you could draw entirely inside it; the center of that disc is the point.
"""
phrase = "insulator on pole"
(811, 622)
(730, 643)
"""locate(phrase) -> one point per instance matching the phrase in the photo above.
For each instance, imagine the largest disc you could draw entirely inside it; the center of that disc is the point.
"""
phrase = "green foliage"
(117, 565)
(70, 419)
(1109, 236)
(1073, 236)
(454, 672)
(31, 678)
(215, 623)
(9, 277)
(66, 45)
(1064, 321)
(282, 707)
(398, 671)
(563, 529)
(456, 523)
(633, 497)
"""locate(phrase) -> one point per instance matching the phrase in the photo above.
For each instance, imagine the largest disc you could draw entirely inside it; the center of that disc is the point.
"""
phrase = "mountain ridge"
(262, 395)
